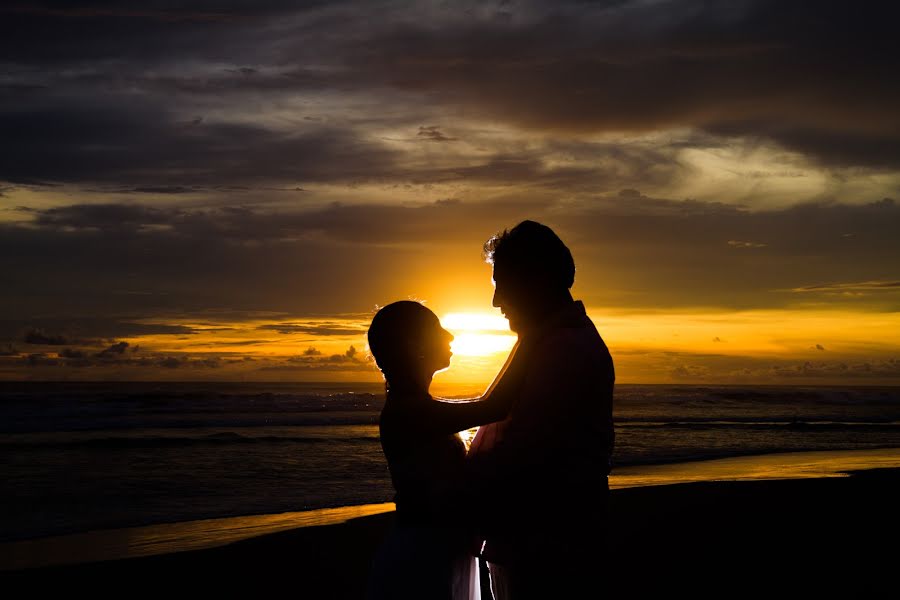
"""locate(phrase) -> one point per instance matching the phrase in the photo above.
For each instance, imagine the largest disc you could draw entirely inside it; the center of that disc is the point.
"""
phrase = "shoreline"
(807, 537)
(200, 535)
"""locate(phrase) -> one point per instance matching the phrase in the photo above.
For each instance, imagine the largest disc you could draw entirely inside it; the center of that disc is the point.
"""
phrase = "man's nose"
(496, 301)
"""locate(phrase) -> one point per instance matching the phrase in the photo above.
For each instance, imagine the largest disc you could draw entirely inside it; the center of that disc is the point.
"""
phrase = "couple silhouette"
(522, 514)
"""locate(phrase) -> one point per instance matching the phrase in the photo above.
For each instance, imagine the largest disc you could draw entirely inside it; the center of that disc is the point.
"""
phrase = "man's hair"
(532, 250)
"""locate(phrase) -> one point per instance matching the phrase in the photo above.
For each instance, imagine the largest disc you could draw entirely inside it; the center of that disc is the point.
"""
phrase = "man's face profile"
(511, 297)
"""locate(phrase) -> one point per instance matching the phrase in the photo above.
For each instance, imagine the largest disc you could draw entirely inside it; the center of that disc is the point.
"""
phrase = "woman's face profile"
(435, 351)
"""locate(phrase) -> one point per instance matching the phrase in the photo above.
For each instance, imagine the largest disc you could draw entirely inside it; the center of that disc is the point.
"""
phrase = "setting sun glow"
(478, 334)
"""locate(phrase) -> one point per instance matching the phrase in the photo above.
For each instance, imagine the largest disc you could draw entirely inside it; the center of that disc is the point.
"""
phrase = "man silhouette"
(540, 477)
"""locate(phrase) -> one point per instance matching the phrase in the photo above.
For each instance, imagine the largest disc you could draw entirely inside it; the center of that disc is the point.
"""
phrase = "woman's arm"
(444, 416)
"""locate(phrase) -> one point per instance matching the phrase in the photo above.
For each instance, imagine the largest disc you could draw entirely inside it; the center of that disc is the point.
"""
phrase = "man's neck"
(548, 314)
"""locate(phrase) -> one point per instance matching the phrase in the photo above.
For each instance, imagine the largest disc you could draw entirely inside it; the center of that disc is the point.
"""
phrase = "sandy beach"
(822, 533)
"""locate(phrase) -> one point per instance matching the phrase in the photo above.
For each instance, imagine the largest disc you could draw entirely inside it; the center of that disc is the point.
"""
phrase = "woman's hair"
(396, 330)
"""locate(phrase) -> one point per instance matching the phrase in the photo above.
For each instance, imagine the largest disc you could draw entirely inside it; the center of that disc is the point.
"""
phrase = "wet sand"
(831, 535)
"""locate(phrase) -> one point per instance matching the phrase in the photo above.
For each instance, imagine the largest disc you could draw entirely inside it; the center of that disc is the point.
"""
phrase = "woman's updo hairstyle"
(395, 335)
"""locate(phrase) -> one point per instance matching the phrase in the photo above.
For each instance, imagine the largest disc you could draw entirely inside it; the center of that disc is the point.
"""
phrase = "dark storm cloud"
(741, 244)
(888, 368)
(142, 145)
(860, 286)
(625, 218)
(179, 362)
(115, 349)
(817, 79)
(434, 134)
(77, 31)
(376, 223)
(199, 262)
(112, 354)
(101, 216)
(58, 331)
(584, 166)
(137, 143)
(36, 336)
(351, 360)
(317, 329)
(41, 359)
(834, 144)
(118, 354)
(163, 189)
(628, 248)
(689, 255)
(689, 366)
(146, 95)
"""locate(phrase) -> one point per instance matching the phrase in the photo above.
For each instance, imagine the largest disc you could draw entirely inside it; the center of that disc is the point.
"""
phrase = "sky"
(228, 190)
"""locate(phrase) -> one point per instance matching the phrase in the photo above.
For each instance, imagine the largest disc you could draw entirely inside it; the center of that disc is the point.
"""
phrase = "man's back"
(546, 476)
(564, 414)
(540, 476)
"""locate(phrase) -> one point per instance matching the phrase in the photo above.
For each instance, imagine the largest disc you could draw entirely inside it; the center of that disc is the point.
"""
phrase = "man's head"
(533, 271)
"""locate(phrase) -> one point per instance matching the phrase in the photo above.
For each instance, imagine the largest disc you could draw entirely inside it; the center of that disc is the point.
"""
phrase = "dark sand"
(824, 537)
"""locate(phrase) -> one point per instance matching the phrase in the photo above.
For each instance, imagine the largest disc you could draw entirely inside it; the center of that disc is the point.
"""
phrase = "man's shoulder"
(578, 334)
(568, 354)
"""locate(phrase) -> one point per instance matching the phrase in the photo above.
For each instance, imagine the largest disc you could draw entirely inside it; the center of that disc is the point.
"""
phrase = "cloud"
(691, 372)
(601, 68)
(163, 189)
(113, 359)
(40, 359)
(685, 367)
(351, 360)
(352, 355)
(171, 362)
(888, 368)
(441, 220)
(93, 12)
(114, 354)
(98, 144)
(628, 248)
(739, 244)
(80, 329)
(434, 134)
(36, 336)
(115, 349)
(325, 329)
(102, 217)
(859, 286)
(162, 100)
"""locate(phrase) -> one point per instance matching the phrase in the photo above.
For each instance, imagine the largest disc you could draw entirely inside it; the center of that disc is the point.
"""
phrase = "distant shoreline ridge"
(147, 540)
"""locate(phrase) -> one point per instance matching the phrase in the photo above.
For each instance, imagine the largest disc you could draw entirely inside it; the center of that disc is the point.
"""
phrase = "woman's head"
(408, 343)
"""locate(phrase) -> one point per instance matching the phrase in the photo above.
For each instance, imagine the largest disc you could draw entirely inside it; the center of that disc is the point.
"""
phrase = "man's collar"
(571, 314)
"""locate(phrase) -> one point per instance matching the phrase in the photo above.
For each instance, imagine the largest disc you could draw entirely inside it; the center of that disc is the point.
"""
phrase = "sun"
(478, 334)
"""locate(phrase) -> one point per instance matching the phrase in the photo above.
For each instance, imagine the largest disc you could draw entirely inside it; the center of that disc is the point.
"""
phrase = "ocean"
(79, 457)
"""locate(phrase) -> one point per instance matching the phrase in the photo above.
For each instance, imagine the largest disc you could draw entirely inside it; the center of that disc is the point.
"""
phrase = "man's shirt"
(552, 453)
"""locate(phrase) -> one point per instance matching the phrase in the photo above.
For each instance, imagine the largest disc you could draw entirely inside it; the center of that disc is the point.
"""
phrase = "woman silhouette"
(429, 552)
